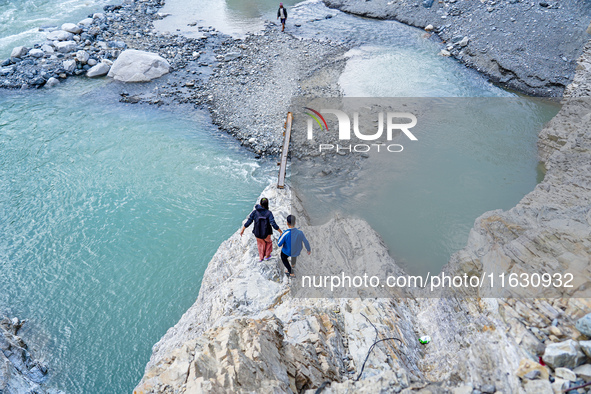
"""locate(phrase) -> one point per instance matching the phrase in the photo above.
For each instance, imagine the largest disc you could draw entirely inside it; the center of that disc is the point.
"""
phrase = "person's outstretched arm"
(273, 223)
(248, 222)
(306, 243)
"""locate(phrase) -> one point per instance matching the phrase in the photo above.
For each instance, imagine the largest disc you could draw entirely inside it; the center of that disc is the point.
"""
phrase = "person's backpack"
(261, 227)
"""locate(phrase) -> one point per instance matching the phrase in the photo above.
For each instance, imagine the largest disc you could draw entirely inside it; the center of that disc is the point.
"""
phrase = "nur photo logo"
(395, 121)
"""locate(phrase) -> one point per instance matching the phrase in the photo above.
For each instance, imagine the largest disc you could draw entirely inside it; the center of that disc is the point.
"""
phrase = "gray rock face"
(564, 354)
(99, 70)
(550, 227)
(19, 52)
(138, 66)
(305, 341)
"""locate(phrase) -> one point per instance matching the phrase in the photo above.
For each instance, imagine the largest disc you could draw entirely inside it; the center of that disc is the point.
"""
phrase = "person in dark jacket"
(293, 240)
(264, 223)
(282, 14)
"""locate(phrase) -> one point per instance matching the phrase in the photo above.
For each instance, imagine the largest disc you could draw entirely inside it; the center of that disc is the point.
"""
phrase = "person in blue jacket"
(292, 241)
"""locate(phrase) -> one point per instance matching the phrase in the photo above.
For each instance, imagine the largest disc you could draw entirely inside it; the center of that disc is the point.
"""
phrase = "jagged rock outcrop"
(19, 372)
(249, 332)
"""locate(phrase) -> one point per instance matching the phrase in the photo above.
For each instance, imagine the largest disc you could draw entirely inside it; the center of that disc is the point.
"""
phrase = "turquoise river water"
(109, 213)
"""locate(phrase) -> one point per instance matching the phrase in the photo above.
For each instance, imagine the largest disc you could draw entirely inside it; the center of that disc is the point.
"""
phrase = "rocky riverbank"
(246, 83)
(529, 46)
(247, 332)
(19, 371)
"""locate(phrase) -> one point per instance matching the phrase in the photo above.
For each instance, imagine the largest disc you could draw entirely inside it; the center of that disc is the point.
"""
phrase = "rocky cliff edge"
(248, 333)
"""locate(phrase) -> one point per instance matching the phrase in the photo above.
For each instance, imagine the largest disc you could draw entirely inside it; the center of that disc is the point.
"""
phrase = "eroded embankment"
(528, 46)
(247, 333)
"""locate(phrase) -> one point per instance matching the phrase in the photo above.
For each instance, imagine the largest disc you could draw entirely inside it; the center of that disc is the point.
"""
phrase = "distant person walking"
(282, 15)
(264, 223)
(292, 241)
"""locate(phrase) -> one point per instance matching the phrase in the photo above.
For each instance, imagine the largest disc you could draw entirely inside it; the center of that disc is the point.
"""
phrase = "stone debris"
(94, 40)
(529, 367)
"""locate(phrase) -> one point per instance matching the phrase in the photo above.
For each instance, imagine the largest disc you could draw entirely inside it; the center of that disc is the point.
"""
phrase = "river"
(110, 212)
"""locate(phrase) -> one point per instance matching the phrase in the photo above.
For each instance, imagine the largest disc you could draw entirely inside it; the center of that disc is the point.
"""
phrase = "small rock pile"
(564, 365)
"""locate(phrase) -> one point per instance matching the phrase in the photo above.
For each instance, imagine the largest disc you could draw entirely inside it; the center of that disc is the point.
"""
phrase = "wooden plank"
(285, 151)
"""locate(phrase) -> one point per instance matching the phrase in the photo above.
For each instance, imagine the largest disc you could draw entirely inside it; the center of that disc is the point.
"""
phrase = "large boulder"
(566, 354)
(138, 66)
